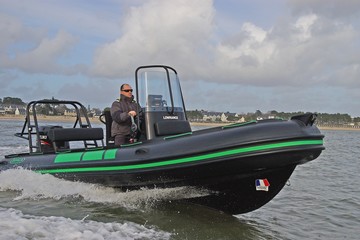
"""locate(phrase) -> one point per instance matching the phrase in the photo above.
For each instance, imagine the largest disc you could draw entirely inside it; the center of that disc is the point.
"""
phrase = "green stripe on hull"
(86, 156)
(110, 154)
(91, 156)
(187, 159)
(68, 157)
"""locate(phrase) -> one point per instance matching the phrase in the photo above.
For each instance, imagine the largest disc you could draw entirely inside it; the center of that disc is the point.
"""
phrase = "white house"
(241, 120)
(20, 111)
(223, 117)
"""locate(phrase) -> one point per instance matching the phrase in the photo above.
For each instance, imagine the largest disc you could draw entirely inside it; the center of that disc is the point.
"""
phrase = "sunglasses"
(127, 90)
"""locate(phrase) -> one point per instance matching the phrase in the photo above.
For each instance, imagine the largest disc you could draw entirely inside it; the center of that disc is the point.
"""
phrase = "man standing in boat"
(123, 111)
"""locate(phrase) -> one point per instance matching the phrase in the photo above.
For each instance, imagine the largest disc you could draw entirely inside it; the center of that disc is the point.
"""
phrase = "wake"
(31, 185)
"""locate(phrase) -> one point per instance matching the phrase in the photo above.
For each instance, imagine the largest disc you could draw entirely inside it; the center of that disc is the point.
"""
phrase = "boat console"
(160, 96)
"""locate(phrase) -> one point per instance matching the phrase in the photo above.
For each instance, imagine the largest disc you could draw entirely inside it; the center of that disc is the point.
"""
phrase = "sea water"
(320, 201)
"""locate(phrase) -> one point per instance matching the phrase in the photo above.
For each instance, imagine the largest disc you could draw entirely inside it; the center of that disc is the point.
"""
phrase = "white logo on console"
(170, 117)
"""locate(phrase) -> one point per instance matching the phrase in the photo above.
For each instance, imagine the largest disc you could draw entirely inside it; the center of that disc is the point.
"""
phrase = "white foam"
(37, 186)
(16, 225)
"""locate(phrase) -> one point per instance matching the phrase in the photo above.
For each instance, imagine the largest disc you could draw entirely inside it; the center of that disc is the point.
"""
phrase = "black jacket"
(120, 114)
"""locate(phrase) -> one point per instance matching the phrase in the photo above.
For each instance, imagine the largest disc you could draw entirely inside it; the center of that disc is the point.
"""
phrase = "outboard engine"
(159, 94)
(45, 143)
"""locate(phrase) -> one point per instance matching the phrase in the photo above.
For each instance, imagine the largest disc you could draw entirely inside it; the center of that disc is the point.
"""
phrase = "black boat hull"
(229, 184)
(225, 162)
(238, 194)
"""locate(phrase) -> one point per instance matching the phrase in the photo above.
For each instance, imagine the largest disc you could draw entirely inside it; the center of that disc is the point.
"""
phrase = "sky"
(231, 55)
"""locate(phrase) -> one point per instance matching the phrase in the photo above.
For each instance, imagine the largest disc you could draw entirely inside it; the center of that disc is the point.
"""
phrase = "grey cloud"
(44, 57)
(294, 52)
(157, 32)
(13, 31)
(307, 49)
(329, 8)
(5, 80)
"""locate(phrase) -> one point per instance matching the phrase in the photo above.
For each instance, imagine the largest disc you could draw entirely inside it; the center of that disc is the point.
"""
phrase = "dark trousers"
(121, 139)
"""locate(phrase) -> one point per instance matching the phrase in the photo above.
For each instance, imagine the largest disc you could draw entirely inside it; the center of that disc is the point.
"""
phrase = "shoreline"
(96, 120)
(320, 127)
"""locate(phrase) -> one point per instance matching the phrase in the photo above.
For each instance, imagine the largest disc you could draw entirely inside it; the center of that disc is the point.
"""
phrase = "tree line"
(47, 109)
(322, 118)
(12, 101)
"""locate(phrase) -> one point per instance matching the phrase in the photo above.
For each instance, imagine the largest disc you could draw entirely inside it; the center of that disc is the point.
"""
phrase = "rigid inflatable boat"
(240, 166)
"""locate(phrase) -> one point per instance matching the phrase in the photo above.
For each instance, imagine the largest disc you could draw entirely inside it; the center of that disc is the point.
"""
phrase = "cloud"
(296, 51)
(43, 58)
(304, 51)
(159, 31)
(330, 8)
(5, 80)
(38, 90)
(86, 18)
(305, 45)
(97, 92)
(13, 31)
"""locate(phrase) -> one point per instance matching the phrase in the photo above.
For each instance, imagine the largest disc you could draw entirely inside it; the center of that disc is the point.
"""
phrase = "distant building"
(70, 113)
(241, 120)
(12, 109)
(211, 118)
(9, 109)
(20, 111)
(223, 117)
